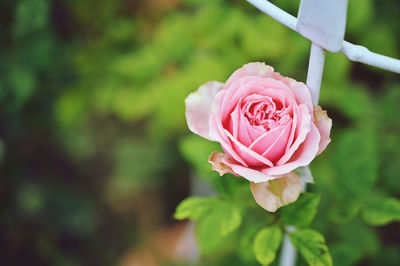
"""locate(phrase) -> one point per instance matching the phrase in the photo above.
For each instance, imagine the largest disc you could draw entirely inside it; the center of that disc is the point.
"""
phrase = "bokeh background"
(94, 150)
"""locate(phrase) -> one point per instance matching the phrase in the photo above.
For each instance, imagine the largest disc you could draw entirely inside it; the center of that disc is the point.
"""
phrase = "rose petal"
(273, 194)
(295, 120)
(250, 174)
(223, 164)
(303, 156)
(248, 155)
(220, 163)
(217, 132)
(251, 69)
(324, 125)
(252, 85)
(265, 141)
(302, 92)
(272, 144)
(276, 86)
(303, 128)
(232, 96)
(198, 108)
(276, 150)
(241, 129)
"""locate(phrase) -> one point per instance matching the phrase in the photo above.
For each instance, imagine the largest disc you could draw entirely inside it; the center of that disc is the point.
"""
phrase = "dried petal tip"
(218, 161)
(324, 125)
(276, 193)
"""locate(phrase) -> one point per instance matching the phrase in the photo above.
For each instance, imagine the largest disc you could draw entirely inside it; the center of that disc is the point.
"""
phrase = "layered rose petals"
(198, 107)
(266, 125)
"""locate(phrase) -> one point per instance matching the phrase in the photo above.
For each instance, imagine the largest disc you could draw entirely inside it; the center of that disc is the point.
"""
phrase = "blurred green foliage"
(95, 153)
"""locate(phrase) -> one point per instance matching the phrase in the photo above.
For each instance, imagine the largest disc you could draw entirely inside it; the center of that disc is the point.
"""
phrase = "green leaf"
(312, 247)
(389, 109)
(216, 224)
(247, 236)
(208, 234)
(301, 212)
(381, 211)
(266, 244)
(343, 211)
(231, 218)
(359, 235)
(389, 140)
(345, 254)
(389, 255)
(194, 208)
(228, 214)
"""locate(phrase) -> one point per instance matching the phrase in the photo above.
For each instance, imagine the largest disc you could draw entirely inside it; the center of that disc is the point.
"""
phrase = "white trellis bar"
(315, 70)
(354, 52)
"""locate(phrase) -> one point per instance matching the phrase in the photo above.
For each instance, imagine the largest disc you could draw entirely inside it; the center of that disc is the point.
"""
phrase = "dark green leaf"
(216, 225)
(390, 255)
(343, 211)
(302, 211)
(359, 235)
(231, 218)
(311, 246)
(266, 244)
(381, 211)
(247, 235)
(345, 254)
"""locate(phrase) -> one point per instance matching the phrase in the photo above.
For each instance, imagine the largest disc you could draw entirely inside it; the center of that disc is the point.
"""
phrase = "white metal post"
(314, 78)
(353, 52)
(315, 71)
(288, 253)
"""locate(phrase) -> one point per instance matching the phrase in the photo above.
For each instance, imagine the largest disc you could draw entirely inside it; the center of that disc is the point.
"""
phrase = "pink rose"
(266, 125)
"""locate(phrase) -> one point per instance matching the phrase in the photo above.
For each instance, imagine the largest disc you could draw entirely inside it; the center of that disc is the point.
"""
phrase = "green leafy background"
(95, 154)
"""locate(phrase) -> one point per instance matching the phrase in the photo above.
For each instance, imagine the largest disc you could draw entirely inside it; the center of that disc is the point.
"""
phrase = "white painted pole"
(275, 12)
(288, 253)
(314, 78)
(361, 54)
(353, 52)
(315, 71)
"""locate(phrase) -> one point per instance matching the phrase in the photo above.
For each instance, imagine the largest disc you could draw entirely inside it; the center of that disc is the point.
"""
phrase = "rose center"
(266, 114)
